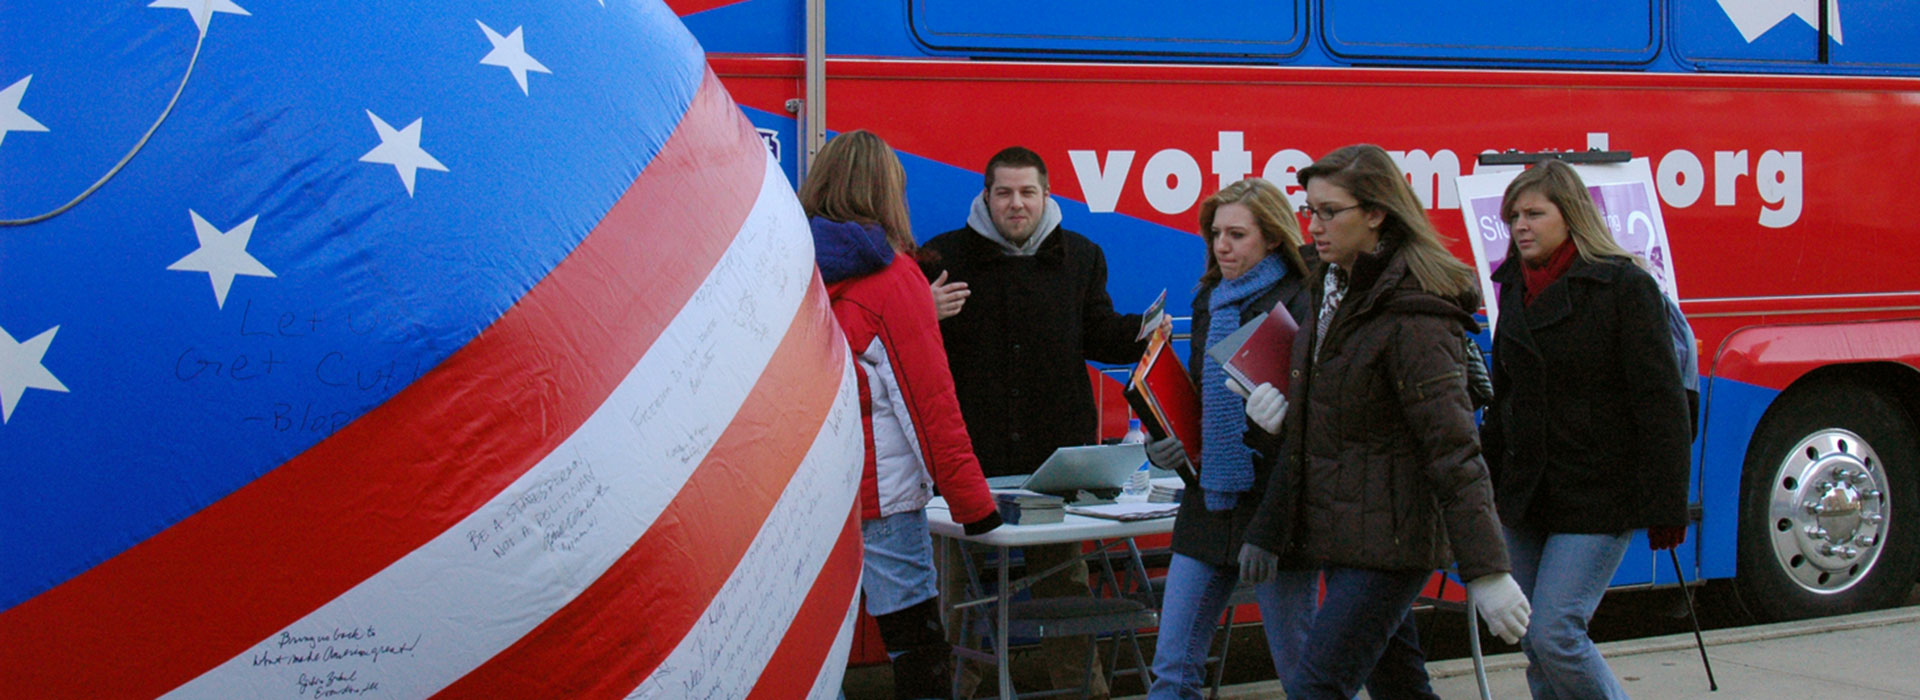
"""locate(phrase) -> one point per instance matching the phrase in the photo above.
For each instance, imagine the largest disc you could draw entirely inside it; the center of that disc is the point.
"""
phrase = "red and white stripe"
(484, 584)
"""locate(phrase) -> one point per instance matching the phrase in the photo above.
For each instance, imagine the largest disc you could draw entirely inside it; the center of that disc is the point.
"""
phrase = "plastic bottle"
(1140, 481)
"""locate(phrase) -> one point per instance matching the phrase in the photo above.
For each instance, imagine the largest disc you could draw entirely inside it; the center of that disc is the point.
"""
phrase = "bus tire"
(1829, 519)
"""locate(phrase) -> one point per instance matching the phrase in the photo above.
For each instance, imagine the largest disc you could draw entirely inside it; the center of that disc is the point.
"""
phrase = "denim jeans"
(1190, 609)
(1563, 576)
(898, 566)
(1363, 633)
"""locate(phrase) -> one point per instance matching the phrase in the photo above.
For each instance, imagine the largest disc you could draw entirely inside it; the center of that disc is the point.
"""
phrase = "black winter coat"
(1214, 537)
(1588, 431)
(1019, 347)
(1383, 465)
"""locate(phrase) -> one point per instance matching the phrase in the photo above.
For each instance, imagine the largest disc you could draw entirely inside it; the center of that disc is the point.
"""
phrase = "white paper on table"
(1127, 511)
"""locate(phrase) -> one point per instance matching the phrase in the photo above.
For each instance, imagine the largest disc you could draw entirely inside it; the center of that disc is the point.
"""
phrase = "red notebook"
(1164, 398)
(1260, 352)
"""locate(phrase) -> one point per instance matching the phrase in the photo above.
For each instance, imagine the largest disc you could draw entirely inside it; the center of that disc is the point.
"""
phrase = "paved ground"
(1868, 656)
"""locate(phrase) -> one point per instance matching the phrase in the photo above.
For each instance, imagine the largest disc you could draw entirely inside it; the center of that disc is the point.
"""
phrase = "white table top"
(1075, 528)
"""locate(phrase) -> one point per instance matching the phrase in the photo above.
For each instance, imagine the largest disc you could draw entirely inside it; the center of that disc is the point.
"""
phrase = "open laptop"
(1100, 470)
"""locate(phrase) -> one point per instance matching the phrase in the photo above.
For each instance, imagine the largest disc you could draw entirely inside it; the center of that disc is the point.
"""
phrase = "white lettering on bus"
(1283, 170)
(1680, 178)
(1779, 181)
(1430, 172)
(1728, 166)
(1232, 162)
(1101, 186)
(1171, 180)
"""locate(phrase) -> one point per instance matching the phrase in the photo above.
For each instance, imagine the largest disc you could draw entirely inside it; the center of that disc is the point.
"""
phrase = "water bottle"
(1140, 481)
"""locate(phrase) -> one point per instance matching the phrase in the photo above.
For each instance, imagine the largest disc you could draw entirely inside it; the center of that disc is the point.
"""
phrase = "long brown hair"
(1369, 174)
(1271, 211)
(1562, 186)
(856, 177)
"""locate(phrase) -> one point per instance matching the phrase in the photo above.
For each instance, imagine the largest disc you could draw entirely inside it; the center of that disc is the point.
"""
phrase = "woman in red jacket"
(854, 198)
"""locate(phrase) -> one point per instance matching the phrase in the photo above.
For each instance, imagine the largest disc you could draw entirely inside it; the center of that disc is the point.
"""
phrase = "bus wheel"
(1829, 523)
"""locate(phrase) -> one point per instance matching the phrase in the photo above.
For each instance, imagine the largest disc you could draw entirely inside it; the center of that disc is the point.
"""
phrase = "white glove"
(1501, 604)
(1267, 407)
(1167, 453)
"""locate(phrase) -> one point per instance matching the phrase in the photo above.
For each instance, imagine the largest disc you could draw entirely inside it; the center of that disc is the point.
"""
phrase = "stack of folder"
(1167, 490)
(1023, 507)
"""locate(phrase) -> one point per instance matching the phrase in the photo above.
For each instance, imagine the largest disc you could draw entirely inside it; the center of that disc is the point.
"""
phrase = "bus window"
(1258, 29)
(1867, 36)
(1395, 31)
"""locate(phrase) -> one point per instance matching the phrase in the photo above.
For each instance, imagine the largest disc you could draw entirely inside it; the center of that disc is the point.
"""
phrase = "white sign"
(1624, 193)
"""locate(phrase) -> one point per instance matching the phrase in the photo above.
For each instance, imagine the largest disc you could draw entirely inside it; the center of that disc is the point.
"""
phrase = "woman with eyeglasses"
(1587, 436)
(1383, 481)
(1253, 267)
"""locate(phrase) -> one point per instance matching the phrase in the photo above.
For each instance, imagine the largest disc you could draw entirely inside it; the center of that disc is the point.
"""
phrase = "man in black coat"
(1038, 310)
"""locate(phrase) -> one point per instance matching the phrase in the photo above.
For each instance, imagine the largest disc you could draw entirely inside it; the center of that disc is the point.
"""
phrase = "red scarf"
(1539, 278)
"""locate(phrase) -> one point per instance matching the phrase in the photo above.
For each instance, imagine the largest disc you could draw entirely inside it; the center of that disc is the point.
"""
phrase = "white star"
(20, 369)
(221, 256)
(1756, 17)
(510, 52)
(401, 149)
(11, 118)
(202, 10)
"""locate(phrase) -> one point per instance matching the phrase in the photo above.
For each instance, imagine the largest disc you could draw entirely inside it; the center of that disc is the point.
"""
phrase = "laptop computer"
(1100, 470)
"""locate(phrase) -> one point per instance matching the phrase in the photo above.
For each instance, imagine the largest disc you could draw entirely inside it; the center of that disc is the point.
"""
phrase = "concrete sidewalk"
(1868, 656)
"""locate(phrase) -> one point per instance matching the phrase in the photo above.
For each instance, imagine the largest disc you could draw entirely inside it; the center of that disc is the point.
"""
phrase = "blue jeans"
(1563, 576)
(1364, 633)
(1190, 609)
(898, 566)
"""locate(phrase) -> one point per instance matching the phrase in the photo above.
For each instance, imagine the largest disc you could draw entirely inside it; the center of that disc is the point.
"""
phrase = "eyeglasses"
(1325, 214)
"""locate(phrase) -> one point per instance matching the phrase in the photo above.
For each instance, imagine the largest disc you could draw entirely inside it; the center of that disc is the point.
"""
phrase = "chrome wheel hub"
(1829, 509)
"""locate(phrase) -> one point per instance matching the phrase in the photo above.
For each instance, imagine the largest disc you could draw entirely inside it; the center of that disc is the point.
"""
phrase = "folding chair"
(1119, 616)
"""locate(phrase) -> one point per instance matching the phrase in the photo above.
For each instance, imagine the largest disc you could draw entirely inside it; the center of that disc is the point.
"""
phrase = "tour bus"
(1783, 139)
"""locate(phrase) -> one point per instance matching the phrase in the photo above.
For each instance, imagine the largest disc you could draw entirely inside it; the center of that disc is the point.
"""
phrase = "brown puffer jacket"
(1383, 466)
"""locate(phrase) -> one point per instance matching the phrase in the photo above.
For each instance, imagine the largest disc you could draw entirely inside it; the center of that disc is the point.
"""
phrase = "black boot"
(922, 657)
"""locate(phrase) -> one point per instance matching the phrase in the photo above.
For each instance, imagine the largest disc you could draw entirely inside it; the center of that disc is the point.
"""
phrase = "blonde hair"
(856, 177)
(1369, 174)
(1562, 186)
(1271, 211)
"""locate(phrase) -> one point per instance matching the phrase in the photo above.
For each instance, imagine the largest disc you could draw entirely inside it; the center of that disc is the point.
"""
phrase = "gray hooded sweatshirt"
(981, 221)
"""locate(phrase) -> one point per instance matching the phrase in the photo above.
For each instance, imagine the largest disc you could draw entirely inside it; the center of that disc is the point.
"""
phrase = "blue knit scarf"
(1226, 465)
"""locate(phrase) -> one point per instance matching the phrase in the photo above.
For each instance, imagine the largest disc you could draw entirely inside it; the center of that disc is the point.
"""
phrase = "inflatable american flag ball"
(423, 349)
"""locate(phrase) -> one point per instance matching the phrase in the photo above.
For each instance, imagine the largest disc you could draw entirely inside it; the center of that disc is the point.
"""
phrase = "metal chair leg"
(1086, 671)
(1226, 645)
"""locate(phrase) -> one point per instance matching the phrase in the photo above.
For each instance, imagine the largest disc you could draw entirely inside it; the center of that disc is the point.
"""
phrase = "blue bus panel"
(1865, 37)
(1197, 28)
(1481, 31)
(1869, 37)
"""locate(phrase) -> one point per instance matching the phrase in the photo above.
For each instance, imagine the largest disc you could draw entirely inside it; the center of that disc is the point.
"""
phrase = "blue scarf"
(1226, 465)
(845, 249)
